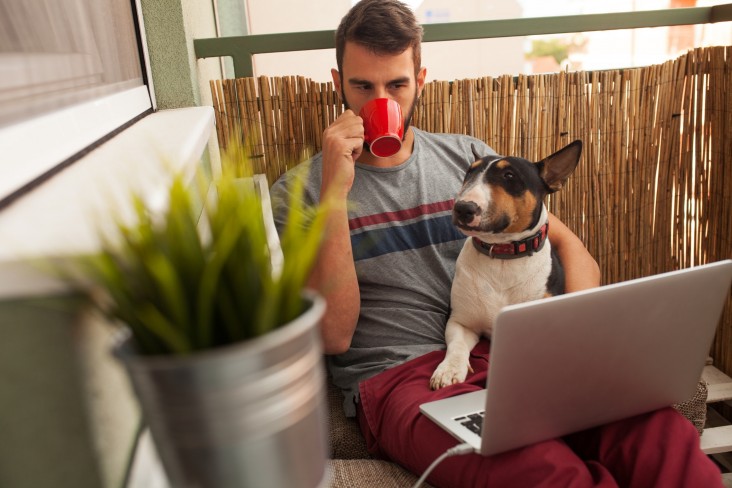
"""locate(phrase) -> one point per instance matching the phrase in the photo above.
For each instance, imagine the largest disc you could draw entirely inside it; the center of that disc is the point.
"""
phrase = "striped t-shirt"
(404, 247)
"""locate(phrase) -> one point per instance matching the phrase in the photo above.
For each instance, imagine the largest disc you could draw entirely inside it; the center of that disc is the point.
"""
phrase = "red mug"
(383, 126)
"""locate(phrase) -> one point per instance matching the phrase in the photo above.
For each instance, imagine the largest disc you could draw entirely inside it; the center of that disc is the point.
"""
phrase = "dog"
(507, 257)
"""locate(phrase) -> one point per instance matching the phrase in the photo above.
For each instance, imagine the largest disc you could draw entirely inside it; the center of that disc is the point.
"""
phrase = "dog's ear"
(476, 155)
(555, 169)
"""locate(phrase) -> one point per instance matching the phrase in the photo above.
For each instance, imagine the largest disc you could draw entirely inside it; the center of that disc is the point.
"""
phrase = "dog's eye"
(508, 175)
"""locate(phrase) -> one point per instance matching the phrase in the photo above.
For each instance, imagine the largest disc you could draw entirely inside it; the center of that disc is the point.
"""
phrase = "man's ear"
(336, 80)
(421, 77)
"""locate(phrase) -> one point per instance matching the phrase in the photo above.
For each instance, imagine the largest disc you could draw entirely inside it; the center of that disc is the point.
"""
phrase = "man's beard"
(407, 119)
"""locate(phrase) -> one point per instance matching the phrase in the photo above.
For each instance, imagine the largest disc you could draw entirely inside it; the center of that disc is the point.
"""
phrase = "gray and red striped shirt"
(404, 247)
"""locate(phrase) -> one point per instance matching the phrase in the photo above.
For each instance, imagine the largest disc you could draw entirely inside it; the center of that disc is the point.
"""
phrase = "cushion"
(368, 473)
(695, 408)
(346, 441)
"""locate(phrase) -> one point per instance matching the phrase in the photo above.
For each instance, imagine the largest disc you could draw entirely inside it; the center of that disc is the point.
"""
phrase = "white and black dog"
(507, 258)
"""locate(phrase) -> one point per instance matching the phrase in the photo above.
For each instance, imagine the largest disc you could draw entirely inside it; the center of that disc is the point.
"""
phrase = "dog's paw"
(450, 371)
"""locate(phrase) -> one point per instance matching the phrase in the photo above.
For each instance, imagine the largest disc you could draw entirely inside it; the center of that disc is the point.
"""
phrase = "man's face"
(367, 75)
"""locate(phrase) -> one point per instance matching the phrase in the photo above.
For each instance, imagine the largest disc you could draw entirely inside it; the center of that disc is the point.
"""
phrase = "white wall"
(444, 60)
(474, 58)
(271, 16)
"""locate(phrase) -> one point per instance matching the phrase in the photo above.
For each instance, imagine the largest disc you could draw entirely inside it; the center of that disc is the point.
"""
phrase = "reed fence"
(652, 192)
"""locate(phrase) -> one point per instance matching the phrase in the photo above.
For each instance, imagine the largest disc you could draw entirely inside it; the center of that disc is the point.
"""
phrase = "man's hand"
(342, 145)
(334, 274)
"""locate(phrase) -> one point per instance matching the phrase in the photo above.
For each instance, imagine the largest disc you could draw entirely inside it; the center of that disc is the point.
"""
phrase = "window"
(71, 74)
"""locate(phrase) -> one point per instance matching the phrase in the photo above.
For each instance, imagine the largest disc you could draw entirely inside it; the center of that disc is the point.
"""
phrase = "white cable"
(460, 449)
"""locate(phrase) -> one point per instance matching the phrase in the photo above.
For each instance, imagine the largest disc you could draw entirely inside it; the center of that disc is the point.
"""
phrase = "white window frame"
(82, 172)
(69, 131)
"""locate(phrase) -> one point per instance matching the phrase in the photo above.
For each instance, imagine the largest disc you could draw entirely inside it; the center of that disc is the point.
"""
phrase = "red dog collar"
(515, 249)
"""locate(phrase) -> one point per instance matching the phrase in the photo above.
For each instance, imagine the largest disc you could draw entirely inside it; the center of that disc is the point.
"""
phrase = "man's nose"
(381, 92)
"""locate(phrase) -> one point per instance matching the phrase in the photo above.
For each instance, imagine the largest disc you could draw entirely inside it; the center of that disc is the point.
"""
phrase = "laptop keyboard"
(473, 422)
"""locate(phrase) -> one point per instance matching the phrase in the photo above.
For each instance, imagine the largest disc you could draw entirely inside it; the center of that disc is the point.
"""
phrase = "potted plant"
(221, 344)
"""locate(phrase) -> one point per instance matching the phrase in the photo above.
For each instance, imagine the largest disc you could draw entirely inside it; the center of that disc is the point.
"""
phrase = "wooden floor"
(717, 437)
(716, 440)
(727, 480)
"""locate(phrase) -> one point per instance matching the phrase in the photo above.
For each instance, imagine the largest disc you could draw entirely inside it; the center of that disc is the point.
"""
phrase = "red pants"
(659, 449)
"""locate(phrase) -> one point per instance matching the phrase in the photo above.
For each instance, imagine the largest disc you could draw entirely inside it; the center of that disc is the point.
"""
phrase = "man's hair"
(384, 27)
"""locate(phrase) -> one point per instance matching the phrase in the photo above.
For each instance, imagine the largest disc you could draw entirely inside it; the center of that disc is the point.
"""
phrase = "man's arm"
(334, 274)
(580, 269)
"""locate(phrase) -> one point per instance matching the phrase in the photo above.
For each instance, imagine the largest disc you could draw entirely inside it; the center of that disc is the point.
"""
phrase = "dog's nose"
(464, 212)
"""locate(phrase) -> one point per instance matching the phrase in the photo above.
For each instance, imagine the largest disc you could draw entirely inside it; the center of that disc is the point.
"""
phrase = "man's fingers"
(345, 136)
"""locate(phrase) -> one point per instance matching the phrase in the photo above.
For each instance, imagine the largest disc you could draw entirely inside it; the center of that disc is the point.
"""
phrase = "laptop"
(564, 364)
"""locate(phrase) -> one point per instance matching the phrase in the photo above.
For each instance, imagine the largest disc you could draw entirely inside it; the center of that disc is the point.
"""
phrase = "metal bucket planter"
(246, 415)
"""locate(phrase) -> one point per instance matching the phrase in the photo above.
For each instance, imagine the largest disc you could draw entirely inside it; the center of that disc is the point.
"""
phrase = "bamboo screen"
(652, 192)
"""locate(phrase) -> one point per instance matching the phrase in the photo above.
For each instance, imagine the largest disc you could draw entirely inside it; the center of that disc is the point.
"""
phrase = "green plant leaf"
(167, 282)
(159, 324)
(181, 285)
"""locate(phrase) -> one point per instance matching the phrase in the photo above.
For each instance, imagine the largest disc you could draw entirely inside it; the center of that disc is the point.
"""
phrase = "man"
(386, 268)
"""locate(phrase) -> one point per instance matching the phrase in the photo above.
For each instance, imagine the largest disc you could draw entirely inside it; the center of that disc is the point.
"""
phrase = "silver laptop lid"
(579, 360)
